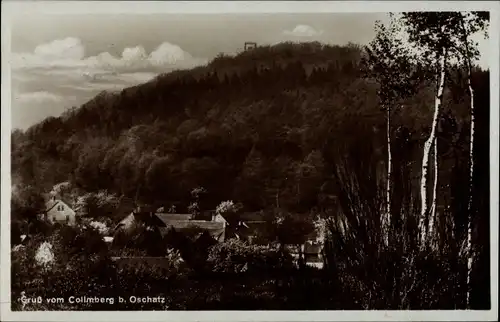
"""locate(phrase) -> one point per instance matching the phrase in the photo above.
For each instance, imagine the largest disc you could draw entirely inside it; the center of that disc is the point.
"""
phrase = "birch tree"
(444, 34)
(470, 23)
(390, 63)
(433, 34)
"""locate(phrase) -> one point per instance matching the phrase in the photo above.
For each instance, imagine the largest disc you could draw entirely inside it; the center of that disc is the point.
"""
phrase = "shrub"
(141, 238)
(235, 256)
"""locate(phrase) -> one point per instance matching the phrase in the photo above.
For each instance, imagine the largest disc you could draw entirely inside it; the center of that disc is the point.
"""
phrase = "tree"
(26, 203)
(470, 23)
(390, 63)
(229, 210)
(448, 33)
(432, 33)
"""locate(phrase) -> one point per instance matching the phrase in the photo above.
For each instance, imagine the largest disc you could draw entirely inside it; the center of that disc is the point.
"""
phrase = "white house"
(219, 218)
(58, 211)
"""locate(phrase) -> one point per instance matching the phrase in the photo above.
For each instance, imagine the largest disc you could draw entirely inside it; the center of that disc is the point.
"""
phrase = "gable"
(220, 218)
(145, 218)
(58, 206)
(128, 220)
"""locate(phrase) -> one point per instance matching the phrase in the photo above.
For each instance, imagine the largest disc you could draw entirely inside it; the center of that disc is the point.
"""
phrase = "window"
(60, 208)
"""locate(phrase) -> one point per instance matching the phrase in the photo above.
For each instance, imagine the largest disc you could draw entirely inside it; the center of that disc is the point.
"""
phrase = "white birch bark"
(387, 219)
(427, 148)
(469, 204)
(471, 159)
(433, 218)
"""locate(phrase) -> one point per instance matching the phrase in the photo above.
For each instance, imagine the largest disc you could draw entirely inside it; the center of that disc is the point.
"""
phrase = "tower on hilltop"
(250, 45)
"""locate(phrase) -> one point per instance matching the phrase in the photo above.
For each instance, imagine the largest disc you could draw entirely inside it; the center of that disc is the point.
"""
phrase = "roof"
(215, 229)
(148, 218)
(250, 229)
(312, 248)
(176, 221)
(51, 203)
(186, 224)
(253, 216)
(166, 217)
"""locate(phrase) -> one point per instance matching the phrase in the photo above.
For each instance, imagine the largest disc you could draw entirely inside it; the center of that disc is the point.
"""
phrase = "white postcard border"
(11, 9)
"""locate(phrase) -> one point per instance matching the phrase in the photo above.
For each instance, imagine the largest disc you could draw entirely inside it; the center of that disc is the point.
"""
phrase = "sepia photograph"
(162, 158)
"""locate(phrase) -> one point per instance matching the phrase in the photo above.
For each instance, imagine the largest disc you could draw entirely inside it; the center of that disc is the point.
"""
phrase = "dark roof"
(145, 208)
(215, 229)
(155, 219)
(149, 219)
(176, 221)
(51, 202)
(253, 216)
(312, 248)
(166, 217)
(248, 229)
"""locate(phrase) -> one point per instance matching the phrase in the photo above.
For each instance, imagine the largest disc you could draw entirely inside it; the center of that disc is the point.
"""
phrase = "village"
(253, 162)
(210, 227)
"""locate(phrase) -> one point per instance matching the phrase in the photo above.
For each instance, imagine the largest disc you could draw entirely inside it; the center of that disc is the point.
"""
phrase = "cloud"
(68, 48)
(69, 53)
(303, 31)
(37, 97)
(58, 74)
(168, 53)
(134, 54)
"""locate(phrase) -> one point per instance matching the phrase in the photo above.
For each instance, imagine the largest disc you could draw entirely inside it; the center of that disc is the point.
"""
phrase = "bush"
(79, 264)
(141, 238)
(235, 256)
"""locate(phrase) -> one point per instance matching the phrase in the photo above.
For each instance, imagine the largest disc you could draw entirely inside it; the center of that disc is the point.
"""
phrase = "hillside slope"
(268, 128)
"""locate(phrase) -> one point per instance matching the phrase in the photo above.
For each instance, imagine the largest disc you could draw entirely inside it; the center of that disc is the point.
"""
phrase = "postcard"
(249, 161)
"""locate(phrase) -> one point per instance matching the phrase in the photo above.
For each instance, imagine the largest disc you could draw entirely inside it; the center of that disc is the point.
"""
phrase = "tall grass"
(401, 275)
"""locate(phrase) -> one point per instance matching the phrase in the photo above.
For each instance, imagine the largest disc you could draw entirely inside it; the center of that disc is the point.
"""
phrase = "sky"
(61, 61)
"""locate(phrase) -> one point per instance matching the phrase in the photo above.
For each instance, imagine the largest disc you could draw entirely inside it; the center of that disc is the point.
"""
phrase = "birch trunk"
(433, 218)
(427, 148)
(469, 204)
(471, 159)
(387, 219)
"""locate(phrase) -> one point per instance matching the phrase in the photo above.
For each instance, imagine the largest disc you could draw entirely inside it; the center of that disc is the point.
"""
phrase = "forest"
(347, 133)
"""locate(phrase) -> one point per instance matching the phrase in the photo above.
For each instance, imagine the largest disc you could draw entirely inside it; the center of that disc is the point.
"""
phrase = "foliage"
(99, 226)
(292, 130)
(96, 205)
(235, 256)
(140, 237)
(26, 203)
(44, 255)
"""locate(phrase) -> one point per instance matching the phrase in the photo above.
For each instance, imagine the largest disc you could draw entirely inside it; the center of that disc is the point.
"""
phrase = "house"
(219, 218)
(311, 249)
(146, 218)
(249, 226)
(165, 222)
(58, 211)
(216, 227)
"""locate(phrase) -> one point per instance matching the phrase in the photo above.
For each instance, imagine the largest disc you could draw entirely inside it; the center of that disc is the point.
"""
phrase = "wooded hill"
(291, 126)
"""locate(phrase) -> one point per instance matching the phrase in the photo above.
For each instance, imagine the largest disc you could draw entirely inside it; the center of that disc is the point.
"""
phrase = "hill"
(288, 126)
